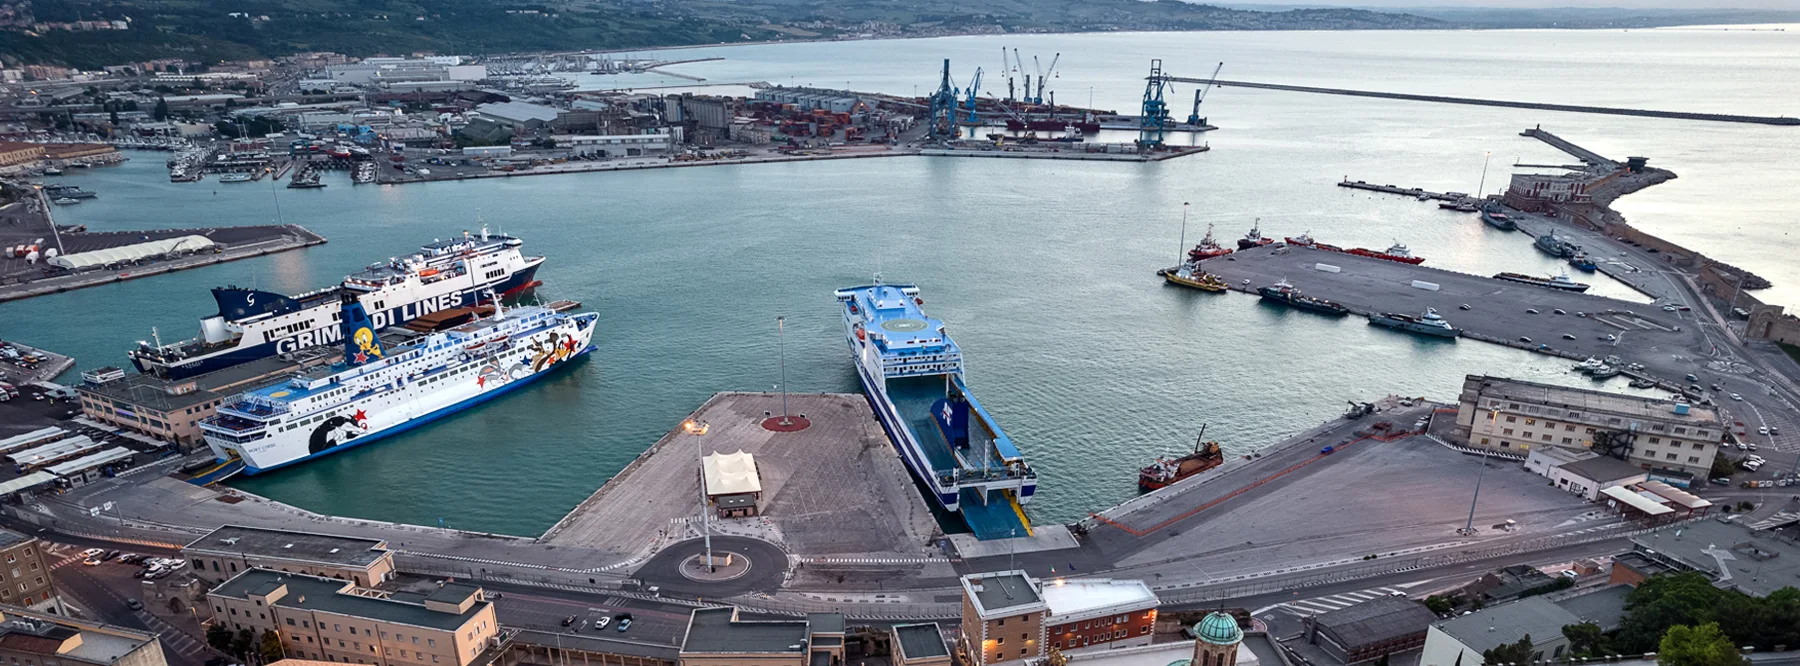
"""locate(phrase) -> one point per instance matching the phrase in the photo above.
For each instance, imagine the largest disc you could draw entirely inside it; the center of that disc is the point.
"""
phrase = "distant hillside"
(214, 30)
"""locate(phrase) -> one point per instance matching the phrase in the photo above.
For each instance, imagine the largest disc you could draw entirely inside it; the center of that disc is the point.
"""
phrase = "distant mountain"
(215, 30)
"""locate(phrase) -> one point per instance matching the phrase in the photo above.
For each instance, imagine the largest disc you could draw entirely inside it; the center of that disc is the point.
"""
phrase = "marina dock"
(835, 488)
(1445, 99)
(1498, 310)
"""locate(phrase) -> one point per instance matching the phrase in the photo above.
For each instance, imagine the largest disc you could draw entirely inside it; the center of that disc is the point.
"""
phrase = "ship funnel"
(361, 346)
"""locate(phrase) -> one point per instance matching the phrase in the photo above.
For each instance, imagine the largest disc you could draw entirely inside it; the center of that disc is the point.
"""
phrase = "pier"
(1445, 99)
(22, 279)
(18, 373)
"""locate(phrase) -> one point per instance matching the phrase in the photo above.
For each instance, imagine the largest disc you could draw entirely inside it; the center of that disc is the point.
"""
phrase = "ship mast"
(1200, 438)
(1181, 250)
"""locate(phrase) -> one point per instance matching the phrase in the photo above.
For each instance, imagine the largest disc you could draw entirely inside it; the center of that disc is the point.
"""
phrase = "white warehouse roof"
(731, 473)
(127, 253)
(518, 112)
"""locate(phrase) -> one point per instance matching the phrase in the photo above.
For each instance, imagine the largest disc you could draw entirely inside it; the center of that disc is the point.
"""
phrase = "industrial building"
(1754, 562)
(813, 99)
(1461, 640)
(1676, 442)
(229, 550)
(1009, 616)
(391, 70)
(1371, 630)
(615, 145)
(1583, 472)
(39, 639)
(326, 619)
(718, 637)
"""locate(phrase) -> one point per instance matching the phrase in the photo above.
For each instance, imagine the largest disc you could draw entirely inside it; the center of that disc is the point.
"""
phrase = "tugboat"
(1208, 248)
(1497, 218)
(1286, 294)
(1427, 324)
(1396, 252)
(1554, 246)
(1460, 206)
(1559, 281)
(1254, 238)
(1165, 472)
(1582, 262)
(1191, 275)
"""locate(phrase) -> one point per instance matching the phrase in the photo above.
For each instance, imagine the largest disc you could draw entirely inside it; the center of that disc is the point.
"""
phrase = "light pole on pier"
(698, 429)
(781, 346)
(1469, 527)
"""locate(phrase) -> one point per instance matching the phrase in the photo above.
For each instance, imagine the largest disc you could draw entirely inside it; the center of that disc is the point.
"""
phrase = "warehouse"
(128, 254)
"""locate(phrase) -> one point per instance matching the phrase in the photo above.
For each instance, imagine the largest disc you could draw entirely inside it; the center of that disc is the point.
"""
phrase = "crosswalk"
(1328, 603)
(171, 636)
(1780, 519)
(872, 560)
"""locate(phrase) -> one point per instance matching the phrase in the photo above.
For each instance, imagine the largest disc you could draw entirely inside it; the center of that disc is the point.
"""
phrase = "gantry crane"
(1200, 94)
(974, 84)
(1153, 120)
(943, 108)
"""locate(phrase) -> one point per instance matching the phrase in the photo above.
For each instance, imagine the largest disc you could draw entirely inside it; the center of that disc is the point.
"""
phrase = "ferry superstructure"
(253, 324)
(912, 373)
(376, 392)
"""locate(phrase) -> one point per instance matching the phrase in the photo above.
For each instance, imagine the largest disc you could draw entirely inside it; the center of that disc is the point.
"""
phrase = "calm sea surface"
(1043, 270)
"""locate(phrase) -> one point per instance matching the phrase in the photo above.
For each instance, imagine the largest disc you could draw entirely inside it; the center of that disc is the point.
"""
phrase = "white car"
(1735, 396)
(1763, 430)
(1743, 447)
(1668, 308)
(601, 622)
(92, 552)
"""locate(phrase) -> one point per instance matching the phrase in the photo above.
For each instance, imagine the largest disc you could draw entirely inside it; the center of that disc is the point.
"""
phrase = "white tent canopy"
(731, 474)
(130, 253)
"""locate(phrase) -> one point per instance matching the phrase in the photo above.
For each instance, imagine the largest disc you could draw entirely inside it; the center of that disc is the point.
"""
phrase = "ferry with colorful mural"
(912, 373)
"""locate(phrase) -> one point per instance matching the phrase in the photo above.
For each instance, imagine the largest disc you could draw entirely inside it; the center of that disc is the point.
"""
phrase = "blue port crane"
(974, 84)
(1200, 94)
(943, 107)
(1044, 77)
(1153, 120)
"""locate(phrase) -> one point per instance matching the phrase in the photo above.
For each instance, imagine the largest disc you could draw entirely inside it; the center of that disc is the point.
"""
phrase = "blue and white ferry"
(253, 324)
(912, 373)
(376, 392)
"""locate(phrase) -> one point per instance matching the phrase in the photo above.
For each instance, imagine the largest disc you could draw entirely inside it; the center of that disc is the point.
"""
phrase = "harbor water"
(1043, 271)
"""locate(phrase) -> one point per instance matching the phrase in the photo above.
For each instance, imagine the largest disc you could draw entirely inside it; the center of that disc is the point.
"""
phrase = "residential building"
(1461, 640)
(919, 645)
(336, 620)
(1219, 640)
(25, 575)
(1734, 556)
(230, 550)
(1674, 441)
(1008, 615)
(1371, 630)
(28, 638)
(718, 637)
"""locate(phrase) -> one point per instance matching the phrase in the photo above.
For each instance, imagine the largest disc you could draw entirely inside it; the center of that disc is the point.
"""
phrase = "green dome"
(1219, 629)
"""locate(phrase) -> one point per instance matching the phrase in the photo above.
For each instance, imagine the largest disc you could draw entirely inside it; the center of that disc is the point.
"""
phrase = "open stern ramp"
(993, 514)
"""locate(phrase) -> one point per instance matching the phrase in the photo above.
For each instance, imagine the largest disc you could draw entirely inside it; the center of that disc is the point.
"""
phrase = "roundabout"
(742, 565)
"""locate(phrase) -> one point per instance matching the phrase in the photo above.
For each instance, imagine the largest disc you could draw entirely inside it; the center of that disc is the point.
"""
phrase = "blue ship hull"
(422, 420)
(246, 353)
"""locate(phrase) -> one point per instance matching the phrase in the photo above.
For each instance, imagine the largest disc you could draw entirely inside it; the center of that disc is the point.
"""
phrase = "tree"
(113, 116)
(161, 112)
(1662, 602)
(1723, 467)
(1704, 645)
(1510, 653)
(219, 638)
(269, 647)
(242, 641)
(1586, 641)
(1439, 604)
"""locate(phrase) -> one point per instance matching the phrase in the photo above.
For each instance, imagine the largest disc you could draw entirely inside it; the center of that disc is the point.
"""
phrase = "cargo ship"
(253, 324)
(1426, 324)
(1166, 472)
(1555, 246)
(1191, 275)
(912, 374)
(1254, 238)
(1396, 252)
(1306, 240)
(1286, 294)
(1559, 281)
(375, 392)
(1208, 247)
(1497, 218)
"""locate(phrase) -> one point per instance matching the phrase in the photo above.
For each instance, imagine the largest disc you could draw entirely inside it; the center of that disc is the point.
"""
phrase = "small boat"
(64, 201)
(1642, 383)
(1190, 275)
(1497, 218)
(1459, 205)
(1582, 262)
(1604, 372)
(1254, 238)
(235, 178)
(1589, 365)
(1165, 472)
(1555, 246)
(1286, 294)
(80, 165)
(1306, 240)
(1559, 281)
(1426, 324)
(1396, 252)
(1208, 248)
(53, 171)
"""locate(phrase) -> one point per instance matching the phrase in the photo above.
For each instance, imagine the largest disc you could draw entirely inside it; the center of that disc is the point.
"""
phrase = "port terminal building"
(1674, 442)
(1009, 616)
(231, 550)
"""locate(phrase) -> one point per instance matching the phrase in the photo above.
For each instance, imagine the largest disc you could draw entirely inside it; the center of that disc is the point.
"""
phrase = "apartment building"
(326, 619)
(25, 575)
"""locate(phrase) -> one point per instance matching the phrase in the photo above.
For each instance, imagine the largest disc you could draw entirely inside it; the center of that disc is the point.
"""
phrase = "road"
(102, 593)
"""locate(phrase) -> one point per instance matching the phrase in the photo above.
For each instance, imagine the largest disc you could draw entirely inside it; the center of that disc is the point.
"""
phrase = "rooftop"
(1604, 607)
(1490, 627)
(1751, 561)
(1003, 593)
(921, 641)
(333, 596)
(1603, 469)
(1375, 621)
(26, 631)
(1078, 598)
(144, 390)
(717, 630)
(307, 546)
(1589, 400)
(9, 538)
(518, 111)
(596, 644)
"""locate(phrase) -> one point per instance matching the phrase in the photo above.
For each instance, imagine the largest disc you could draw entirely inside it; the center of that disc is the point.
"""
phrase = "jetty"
(1541, 106)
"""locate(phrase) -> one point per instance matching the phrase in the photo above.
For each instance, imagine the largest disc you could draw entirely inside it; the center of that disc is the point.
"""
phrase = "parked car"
(601, 622)
(134, 604)
(1735, 396)
(92, 552)
(1763, 430)
(568, 620)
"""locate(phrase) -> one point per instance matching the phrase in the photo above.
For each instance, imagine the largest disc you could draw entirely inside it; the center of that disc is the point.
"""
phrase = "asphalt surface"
(768, 564)
(102, 592)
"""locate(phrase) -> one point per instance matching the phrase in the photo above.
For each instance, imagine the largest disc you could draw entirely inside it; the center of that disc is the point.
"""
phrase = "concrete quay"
(1498, 310)
(53, 364)
(234, 243)
(1042, 154)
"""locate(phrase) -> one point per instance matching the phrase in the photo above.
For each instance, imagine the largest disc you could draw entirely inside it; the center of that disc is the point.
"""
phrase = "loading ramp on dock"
(997, 516)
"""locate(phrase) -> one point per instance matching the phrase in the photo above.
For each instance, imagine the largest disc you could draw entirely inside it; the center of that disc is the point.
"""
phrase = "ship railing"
(255, 409)
(235, 424)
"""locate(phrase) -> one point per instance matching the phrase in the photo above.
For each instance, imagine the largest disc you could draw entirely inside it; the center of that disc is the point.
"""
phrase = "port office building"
(1675, 442)
(336, 620)
(37, 639)
(171, 410)
(1009, 616)
(232, 549)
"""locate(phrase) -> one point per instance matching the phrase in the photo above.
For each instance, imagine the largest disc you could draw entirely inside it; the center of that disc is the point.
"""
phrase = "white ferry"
(375, 392)
(253, 324)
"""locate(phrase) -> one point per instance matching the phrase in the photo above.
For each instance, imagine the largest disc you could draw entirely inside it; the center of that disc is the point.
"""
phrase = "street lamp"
(697, 430)
(1469, 527)
(781, 344)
